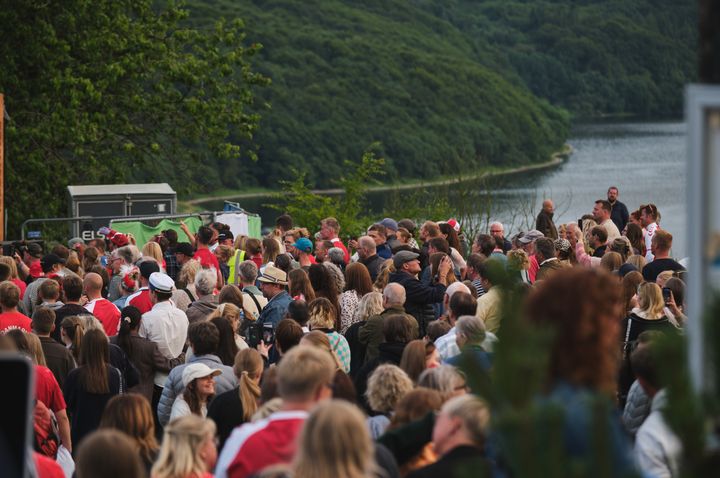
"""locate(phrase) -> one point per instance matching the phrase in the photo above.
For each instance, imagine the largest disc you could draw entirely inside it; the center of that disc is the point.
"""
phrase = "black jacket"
(373, 264)
(389, 352)
(545, 224)
(419, 298)
(619, 215)
(463, 460)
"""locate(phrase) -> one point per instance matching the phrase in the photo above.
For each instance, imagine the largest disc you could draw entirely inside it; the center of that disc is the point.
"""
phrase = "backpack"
(47, 432)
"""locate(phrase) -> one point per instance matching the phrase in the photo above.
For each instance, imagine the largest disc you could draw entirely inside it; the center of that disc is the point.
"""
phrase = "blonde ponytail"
(248, 367)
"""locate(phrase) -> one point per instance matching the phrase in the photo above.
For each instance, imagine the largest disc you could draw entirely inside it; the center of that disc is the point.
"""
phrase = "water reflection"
(646, 161)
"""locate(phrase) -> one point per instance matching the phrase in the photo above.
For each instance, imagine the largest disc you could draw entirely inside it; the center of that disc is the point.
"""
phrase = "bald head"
(367, 247)
(548, 205)
(92, 284)
(393, 295)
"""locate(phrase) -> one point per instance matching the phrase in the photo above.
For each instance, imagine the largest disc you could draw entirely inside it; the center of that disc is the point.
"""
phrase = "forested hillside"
(445, 85)
(239, 93)
(593, 57)
(347, 74)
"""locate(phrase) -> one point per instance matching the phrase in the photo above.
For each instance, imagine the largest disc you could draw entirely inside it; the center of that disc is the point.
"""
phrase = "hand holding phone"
(667, 295)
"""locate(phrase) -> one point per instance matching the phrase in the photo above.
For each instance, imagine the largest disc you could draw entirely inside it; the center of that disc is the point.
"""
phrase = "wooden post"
(2, 167)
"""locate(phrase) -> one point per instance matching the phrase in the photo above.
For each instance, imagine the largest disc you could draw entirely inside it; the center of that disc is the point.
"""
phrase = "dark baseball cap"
(185, 248)
(147, 267)
(49, 260)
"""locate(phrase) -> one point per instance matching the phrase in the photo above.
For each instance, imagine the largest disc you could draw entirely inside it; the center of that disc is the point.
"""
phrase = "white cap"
(198, 370)
(161, 282)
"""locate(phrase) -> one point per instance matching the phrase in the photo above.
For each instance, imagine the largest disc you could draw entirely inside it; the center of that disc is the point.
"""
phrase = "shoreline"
(555, 160)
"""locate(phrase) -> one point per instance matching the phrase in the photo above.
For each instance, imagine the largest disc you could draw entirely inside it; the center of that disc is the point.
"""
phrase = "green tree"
(119, 90)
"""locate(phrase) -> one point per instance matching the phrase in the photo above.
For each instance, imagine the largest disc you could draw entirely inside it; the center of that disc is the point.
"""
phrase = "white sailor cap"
(161, 282)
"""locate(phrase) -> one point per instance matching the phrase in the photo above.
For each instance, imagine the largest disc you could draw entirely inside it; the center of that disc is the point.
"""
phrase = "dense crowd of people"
(301, 355)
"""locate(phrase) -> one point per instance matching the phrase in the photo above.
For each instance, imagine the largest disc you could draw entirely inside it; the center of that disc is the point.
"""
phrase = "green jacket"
(371, 334)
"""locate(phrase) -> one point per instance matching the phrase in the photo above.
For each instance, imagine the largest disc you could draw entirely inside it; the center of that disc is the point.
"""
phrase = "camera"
(256, 333)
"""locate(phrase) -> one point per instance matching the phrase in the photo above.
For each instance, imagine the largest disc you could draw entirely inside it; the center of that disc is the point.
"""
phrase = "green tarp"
(144, 233)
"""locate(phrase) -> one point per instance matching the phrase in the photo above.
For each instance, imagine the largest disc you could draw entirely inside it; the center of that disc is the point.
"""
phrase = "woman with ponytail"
(71, 332)
(142, 353)
(237, 406)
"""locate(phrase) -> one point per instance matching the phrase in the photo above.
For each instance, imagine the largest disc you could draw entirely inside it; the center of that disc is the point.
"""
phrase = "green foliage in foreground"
(347, 74)
(115, 91)
(309, 208)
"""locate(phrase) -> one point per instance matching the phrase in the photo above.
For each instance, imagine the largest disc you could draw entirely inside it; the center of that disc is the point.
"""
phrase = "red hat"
(118, 238)
(454, 224)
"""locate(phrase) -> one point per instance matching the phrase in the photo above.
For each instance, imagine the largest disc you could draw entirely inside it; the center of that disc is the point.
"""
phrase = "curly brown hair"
(582, 306)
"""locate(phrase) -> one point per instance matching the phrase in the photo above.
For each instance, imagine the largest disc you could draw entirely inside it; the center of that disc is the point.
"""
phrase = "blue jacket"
(275, 309)
(224, 382)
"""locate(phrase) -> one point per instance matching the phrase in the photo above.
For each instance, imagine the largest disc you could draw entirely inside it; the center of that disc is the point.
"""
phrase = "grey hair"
(335, 254)
(248, 271)
(205, 281)
(394, 293)
(444, 379)
(337, 276)
(127, 254)
(472, 328)
(497, 223)
(474, 414)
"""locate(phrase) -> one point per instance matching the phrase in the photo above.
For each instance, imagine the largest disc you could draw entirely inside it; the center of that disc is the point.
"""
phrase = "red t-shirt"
(21, 284)
(47, 467)
(14, 320)
(35, 269)
(47, 389)
(106, 313)
(141, 300)
(206, 258)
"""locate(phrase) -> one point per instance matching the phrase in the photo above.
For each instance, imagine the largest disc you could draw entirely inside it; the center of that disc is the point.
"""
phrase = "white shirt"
(649, 233)
(167, 326)
(447, 346)
(657, 448)
(181, 408)
(612, 230)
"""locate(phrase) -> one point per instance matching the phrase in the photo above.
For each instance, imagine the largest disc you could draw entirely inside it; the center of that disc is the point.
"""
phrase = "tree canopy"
(113, 91)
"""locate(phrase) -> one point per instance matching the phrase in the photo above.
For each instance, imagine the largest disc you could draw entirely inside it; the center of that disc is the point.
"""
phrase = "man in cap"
(419, 296)
(527, 242)
(391, 228)
(544, 222)
(141, 299)
(29, 267)
(104, 310)
(303, 248)
(164, 324)
(272, 284)
(51, 266)
(184, 253)
(225, 237)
